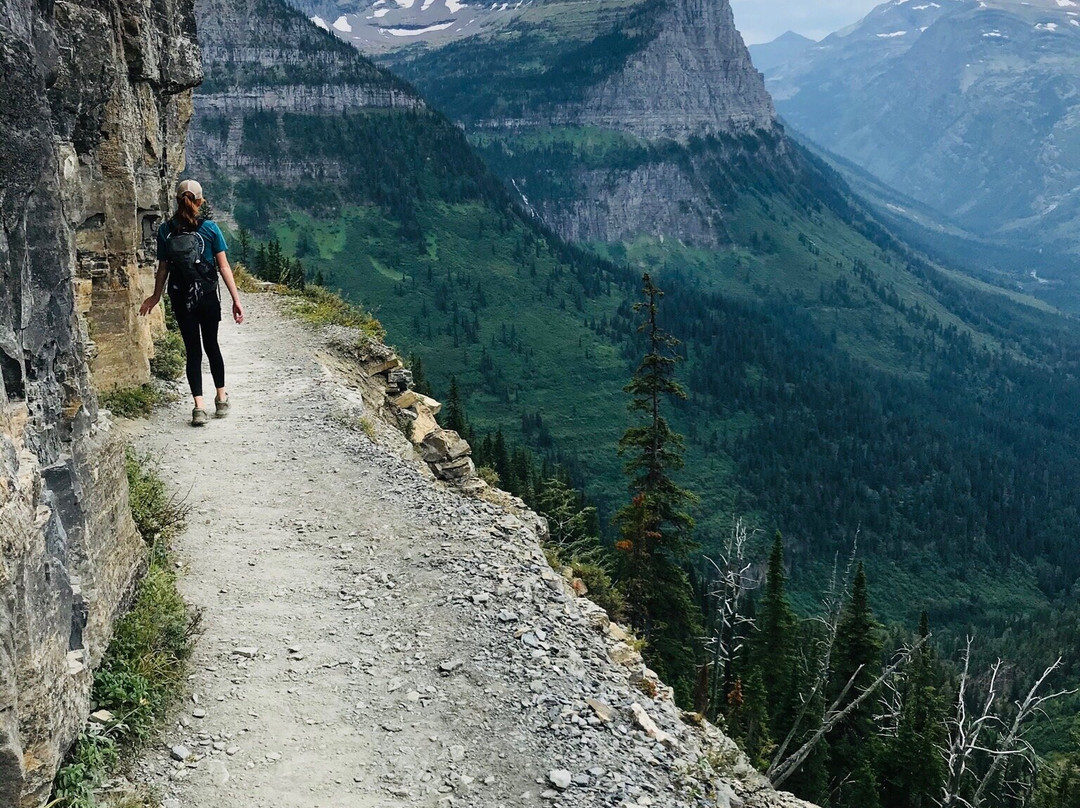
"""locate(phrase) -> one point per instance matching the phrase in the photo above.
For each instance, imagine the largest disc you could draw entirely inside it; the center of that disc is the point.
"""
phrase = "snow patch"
(893, 34)
(994, 35)
(406, 3)
(453, 6)
(427, 4)
(1046, 26)
(381, 12)
(342, 24)
(442, 26)
(1075, 22)
(319, 21)
(1066, 3)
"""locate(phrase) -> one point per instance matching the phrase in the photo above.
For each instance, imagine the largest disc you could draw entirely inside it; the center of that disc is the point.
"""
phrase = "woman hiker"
(191, 254)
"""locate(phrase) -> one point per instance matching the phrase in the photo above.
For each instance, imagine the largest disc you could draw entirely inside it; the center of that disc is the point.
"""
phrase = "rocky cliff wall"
(283, 64)
(695, 78)
(92, 113)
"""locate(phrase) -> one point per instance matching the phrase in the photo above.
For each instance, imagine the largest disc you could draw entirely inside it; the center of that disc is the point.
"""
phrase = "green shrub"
(143, 672)
(132, 402)
(602, 591)
(168, 360)
(489, 476)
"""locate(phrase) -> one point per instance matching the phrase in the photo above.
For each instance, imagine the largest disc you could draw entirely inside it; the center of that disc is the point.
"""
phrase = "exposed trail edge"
(374, 639)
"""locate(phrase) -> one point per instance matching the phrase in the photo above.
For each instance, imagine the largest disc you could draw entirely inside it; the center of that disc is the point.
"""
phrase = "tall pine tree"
(655, 527)
(914, 770)
(854, 747)
(775, 644)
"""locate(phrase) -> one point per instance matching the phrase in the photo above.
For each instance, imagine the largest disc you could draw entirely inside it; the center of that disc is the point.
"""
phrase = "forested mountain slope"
(838, 384)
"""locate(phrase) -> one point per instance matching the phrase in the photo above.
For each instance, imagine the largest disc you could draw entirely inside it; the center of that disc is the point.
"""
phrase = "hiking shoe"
(221, 408)
(199, 417)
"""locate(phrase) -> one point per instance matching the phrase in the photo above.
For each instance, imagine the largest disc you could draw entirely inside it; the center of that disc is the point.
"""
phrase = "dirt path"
(372, 639)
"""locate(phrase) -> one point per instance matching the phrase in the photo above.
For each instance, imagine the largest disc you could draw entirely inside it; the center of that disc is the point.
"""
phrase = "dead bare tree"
(987, 735)
(782, 769)
(727, 592)
(832, 606)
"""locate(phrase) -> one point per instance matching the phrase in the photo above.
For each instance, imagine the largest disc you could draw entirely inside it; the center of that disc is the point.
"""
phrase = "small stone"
(560, 778)
(604, 712)
(180, 753)
(450, 665)
(198, 712)
(457, 753)
(482, 597)
(232, 750)
(102, 717)
(507, 616)
(273, 756)
(248, 652)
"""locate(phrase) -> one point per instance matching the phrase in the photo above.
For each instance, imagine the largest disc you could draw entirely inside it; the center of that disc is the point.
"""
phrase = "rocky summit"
(969, 108)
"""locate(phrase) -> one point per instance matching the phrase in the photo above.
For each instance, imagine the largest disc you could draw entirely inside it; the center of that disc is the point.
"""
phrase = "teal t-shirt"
(211, 233)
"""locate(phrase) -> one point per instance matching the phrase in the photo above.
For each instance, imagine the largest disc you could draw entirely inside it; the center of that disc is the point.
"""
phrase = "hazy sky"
(764, 20)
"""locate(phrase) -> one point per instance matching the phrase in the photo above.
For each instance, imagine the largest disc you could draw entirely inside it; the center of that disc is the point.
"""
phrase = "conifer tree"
(244, 237)
(854, 744)
(655, 527)
(500, 458)
(914, 770)
(775, 644)
(455, 412)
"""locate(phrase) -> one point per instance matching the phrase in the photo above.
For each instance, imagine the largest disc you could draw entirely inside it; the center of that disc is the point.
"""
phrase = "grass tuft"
(320, 306)
(245, 281)
(143, 673)
(132, 402)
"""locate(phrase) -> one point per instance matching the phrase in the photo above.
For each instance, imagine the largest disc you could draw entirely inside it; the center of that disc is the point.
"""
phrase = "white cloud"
(764, 20)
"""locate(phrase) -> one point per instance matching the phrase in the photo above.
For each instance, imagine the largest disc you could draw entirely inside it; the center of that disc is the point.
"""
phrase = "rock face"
(264, 61)
(92, 112)
(972, 109)
(694, 78)
(634, 92)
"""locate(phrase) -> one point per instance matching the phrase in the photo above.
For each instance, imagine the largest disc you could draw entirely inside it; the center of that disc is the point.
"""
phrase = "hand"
(148, 305)
(237, 312)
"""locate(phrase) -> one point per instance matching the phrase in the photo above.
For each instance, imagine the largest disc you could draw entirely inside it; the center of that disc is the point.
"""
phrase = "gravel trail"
(372, 638)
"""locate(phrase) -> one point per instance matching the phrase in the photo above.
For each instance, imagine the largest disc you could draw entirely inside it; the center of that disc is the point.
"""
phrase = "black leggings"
(190, 327)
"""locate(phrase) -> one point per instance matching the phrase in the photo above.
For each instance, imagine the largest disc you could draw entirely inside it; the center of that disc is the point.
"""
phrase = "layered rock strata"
(92, 117)
(265, 61)
(694, 79)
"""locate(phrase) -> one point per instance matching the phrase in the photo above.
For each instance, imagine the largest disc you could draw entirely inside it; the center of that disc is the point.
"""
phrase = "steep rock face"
(121, 113)
(656, 199)
(91, 115)
(694, 78)
(658, 75)
(264, 61)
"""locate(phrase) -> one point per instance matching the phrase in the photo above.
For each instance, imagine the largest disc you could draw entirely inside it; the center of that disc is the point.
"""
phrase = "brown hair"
(187, 211)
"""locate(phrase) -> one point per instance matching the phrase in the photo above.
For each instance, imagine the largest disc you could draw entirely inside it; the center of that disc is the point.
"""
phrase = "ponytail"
(187, 212)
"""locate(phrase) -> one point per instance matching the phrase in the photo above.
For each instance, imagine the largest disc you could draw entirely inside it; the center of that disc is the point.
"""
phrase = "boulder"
(443, 446)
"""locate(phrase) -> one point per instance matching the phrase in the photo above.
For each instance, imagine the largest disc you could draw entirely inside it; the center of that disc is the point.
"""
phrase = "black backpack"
(191, 278)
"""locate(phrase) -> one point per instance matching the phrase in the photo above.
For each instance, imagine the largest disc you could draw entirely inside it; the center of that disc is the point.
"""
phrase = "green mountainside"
(840, 386)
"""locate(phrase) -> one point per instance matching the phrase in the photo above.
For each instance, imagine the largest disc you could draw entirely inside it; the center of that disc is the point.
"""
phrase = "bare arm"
(227, 275)
(159, 287)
